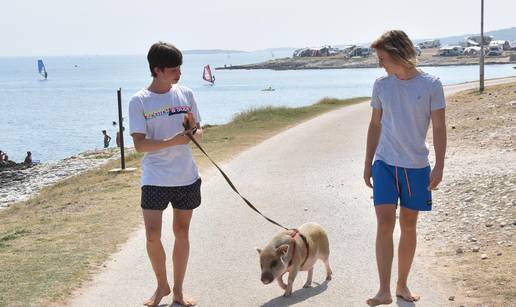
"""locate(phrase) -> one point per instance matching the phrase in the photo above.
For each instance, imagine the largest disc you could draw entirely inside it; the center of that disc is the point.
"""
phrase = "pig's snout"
(267, 277)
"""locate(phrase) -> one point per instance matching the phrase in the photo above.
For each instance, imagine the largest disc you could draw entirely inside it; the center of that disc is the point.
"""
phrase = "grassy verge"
(53, 242)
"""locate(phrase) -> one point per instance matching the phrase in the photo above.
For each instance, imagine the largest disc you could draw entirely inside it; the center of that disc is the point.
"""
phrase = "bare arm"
(439, 137)
(373, 137)
(141, 144)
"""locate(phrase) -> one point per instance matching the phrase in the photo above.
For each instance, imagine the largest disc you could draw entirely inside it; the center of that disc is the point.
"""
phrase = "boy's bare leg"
(386, 220)
(406, 251)
(181, 226)
(152, 219)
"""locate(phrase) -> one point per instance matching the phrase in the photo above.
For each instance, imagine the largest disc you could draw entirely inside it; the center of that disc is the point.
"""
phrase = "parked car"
(451, 51)
(494, 51)
(430, 44)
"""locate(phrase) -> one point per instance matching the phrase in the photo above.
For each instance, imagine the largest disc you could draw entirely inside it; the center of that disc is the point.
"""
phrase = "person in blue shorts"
(403, 104)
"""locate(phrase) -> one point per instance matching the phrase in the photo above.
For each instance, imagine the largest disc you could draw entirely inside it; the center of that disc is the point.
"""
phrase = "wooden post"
(121, 128)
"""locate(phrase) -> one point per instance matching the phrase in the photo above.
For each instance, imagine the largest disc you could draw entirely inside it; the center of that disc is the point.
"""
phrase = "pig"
(288, 252)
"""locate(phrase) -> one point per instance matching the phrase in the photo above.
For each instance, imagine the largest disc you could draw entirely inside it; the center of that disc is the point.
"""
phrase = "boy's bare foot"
(157, 296)
(405, 294)
(380, 299)
(180, 300)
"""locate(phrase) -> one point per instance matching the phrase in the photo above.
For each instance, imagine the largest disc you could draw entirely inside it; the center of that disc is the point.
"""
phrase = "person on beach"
(2, 158)
(107, 139)
(404, 102)
(28, 158)
(157, 117)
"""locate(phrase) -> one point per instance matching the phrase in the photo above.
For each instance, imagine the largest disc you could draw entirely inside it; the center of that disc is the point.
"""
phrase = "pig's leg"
(328, 269)
(281, 283)
(291, 277)
(308, 282)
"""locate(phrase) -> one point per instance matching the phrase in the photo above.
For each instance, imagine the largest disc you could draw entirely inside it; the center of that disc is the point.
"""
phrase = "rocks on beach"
(474, 214)
(18, 182)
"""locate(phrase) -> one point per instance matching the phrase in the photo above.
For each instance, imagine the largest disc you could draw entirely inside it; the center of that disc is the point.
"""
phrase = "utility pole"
(482, 46)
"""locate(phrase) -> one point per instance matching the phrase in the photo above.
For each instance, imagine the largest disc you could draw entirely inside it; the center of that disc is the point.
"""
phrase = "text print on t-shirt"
(167, 110)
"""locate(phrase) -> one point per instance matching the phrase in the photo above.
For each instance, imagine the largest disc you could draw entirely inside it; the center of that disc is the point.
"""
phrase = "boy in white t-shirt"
(404, 103)
(157, 115)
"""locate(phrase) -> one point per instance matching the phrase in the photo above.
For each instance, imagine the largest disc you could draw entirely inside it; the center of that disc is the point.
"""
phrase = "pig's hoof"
(307, 285)
(328, 277)
(287, 293)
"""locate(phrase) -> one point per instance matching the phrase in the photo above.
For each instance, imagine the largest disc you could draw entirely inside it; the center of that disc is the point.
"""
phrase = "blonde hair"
(399, 46)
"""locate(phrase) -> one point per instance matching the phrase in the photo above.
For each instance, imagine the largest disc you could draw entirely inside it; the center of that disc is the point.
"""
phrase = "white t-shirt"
(160, 116)
(406, 112)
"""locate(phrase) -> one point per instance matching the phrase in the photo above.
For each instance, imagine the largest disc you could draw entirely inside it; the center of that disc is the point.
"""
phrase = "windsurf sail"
(207, 75)
(41, 69)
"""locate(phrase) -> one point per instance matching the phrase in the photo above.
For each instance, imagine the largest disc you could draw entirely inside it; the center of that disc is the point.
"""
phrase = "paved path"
(312, 172)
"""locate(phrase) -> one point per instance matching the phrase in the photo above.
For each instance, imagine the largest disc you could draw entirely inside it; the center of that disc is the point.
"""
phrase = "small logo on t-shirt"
(429, 202)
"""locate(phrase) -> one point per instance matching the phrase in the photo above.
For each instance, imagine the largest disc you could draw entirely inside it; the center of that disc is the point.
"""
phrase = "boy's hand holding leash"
(182, 138)
(189, 124)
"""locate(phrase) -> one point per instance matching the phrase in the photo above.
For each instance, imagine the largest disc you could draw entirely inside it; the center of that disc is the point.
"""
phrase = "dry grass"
(53, 242)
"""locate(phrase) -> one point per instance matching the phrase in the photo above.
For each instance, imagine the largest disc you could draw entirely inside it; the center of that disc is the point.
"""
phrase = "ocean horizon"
(64, 115)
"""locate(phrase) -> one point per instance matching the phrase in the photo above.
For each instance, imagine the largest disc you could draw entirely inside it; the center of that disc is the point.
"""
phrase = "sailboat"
(41, 69)
(207, 75)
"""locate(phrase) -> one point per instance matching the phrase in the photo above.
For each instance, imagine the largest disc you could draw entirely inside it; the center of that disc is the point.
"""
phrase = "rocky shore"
(427, 58)
(472, 231)
(19, 182)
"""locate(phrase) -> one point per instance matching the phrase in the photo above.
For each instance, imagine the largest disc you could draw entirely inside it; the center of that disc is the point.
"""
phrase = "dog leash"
(189, 133)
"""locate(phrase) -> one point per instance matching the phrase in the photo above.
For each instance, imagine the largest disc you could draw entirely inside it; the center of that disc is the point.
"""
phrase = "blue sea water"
(65, 114)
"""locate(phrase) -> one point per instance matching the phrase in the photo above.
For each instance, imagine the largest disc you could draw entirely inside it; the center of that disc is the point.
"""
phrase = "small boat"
(207, 75)
(268, 89)
(41, 69)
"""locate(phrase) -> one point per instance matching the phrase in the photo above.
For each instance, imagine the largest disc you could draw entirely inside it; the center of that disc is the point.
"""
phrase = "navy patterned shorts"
(184, 197)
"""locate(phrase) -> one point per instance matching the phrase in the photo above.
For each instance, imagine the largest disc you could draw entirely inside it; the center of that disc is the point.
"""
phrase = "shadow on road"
(297, 296)
(403, 303)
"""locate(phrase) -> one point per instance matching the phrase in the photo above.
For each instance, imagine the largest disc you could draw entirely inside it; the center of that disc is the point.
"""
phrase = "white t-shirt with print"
(159, 117)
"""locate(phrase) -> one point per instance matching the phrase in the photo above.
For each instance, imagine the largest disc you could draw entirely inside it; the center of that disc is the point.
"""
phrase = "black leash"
(188, 133)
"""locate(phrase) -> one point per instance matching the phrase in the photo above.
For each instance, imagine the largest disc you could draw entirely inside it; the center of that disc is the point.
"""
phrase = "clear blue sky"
(68, 27)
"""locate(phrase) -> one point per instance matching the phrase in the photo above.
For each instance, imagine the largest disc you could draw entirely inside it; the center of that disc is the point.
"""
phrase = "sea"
(65, 114)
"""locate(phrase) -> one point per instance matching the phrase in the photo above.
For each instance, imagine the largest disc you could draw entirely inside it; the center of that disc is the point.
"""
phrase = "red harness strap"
(293, 235)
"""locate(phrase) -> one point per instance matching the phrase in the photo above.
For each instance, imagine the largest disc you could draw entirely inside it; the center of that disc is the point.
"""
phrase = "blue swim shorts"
(408, 185)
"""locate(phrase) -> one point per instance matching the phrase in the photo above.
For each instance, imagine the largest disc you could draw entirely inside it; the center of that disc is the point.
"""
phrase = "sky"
(100, 27)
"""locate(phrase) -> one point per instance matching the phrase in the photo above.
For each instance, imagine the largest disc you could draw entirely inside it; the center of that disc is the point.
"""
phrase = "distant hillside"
(211, 51)
(503, 34)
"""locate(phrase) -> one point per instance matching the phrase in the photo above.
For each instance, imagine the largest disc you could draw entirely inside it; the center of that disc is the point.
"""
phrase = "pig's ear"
(282, 252)
(282, 249)
(258, 250)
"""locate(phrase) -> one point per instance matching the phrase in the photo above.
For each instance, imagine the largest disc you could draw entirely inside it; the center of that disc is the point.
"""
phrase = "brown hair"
(163, 55)
(399, 46)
